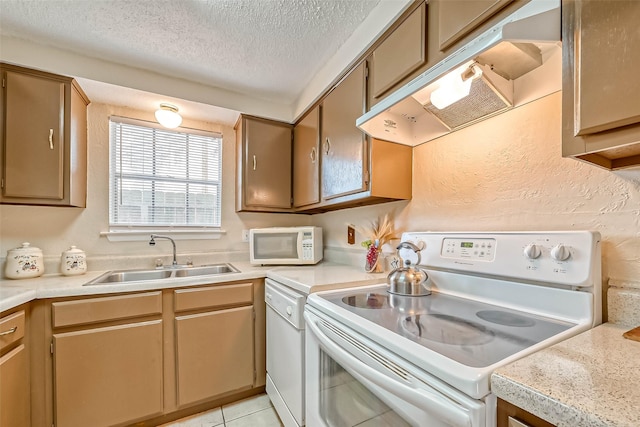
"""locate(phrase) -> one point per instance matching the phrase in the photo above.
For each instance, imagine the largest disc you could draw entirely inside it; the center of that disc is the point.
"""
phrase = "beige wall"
(507, 173)
(54, 229)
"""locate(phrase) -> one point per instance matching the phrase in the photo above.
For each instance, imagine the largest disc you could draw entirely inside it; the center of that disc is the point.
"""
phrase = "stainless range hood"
(516, 61)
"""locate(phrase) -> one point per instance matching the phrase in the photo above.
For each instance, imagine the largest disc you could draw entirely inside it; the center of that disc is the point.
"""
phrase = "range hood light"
(454, 86)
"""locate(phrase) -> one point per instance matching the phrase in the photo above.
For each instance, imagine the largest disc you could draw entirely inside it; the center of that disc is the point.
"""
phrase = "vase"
(374, 263)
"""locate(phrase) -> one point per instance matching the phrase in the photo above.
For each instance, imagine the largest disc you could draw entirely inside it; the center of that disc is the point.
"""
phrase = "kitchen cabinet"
(263, 153)
(215, 348)
(510, 415)
(145, 357)
(600, 87)
(458, 18)
(344, 146)
(108, 368)
(44, 139)
(398, 55)
(306, 159)
(354, 170)
(15, 408)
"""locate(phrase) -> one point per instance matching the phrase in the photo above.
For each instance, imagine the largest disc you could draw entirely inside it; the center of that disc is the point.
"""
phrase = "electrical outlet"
(245, 235)
(351, 235)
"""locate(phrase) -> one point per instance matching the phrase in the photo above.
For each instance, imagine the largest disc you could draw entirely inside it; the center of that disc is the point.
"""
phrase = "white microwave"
(285, 245)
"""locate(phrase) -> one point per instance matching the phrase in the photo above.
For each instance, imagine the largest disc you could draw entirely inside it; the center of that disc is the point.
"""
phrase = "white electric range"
(427, 361)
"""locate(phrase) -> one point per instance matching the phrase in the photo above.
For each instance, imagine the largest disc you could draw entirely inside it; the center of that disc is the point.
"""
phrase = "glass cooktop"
(470, 332)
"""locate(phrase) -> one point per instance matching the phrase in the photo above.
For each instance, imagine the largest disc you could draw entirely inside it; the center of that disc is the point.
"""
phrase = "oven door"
(351, 380)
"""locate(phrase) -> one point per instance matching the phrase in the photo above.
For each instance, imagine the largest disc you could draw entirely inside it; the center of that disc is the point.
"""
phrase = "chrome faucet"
(152, 242)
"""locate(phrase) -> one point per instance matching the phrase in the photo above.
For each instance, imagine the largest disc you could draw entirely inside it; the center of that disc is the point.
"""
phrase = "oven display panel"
(465, 248)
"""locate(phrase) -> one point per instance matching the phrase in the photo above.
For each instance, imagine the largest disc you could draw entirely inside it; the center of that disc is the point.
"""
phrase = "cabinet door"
(600, 87)
(14, 388)
(215, 354)
(344, 160)
(606, 71)
(400, 53)
(108, 376)
(306, 160)
(457, 18)
(267, 163)
(34, 137)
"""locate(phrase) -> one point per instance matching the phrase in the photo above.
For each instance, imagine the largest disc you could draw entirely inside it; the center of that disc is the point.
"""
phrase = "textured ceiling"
(268, 49)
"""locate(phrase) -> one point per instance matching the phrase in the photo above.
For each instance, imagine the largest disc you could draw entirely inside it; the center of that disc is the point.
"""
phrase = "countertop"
(590, 380)
(322, 276)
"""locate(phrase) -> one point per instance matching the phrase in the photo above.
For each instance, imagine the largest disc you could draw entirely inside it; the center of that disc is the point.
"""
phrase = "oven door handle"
(441, 407)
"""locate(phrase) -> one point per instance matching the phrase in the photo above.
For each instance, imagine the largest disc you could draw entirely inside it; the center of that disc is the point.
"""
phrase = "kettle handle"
(409, 245)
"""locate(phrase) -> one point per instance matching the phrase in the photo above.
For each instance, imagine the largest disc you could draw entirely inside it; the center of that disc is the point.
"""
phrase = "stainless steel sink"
(206, 270)
(123, 276)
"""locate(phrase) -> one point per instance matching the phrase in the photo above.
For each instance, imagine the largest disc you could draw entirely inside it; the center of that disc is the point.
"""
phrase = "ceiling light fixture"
(454, 86)
(167, 115)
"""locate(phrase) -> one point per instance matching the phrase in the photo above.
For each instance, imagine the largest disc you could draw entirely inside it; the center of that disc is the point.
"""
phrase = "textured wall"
(507, 173)
(54, 229)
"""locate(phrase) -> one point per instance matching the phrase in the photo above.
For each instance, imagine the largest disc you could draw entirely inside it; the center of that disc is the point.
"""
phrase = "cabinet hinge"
(51, 347)
(2, 183)
(253, 313)
(366, 71)
(4, 83)
(366, 177)
(255, 376)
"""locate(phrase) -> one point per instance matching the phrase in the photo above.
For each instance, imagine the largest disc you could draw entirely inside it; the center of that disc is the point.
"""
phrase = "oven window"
(345, 402)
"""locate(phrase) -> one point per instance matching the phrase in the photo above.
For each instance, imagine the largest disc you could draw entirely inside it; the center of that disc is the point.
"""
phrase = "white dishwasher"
(285, 352)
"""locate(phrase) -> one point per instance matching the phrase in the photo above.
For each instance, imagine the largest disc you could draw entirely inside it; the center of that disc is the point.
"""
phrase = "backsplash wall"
(507, 173)
(54, 229)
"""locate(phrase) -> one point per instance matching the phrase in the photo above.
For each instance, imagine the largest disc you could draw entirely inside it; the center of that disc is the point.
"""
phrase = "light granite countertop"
(590, 380)
(306, 279)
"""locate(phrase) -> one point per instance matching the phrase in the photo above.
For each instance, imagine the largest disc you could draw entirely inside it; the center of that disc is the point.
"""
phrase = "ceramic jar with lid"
(24, 262)
(73, 261)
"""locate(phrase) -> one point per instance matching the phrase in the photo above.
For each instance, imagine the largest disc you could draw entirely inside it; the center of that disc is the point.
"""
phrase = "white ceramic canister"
(73, 262)
(24, 262)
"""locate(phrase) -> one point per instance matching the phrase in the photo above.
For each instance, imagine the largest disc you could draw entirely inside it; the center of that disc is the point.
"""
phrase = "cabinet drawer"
(11, 328)
(95, 310)
(213, 296)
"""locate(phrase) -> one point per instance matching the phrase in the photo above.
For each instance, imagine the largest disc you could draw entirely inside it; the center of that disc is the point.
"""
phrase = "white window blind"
(163, 178)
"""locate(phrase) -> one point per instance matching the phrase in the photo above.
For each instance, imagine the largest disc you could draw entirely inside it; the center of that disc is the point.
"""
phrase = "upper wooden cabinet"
(344, 156)
(600, 85)
(306, 160)
(263, 153)
(458, 18)
(44, 139)
(401, 53)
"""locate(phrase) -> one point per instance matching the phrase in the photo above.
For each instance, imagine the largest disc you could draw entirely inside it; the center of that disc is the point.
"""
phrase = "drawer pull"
(51, 139)
(9, 332)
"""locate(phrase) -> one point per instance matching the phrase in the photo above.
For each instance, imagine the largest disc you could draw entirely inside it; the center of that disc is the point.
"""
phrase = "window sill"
(138, 235)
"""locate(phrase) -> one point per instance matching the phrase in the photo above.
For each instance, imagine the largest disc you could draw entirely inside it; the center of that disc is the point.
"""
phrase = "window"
(163, 178)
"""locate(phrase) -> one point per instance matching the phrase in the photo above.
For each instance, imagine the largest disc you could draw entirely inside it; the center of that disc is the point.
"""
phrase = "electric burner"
(368, 300)
(446, 329)
(507, 319)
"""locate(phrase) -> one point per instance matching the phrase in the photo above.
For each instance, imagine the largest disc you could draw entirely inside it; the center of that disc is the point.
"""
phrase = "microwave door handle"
(441, 407)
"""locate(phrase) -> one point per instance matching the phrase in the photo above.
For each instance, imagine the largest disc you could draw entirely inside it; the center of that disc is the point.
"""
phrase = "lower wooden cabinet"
(139, 358)
(14, 371)
(214, 354)
(108, 376)
(510, 415)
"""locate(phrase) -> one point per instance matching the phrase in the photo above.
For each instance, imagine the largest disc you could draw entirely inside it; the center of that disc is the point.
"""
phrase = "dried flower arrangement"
(380, 232)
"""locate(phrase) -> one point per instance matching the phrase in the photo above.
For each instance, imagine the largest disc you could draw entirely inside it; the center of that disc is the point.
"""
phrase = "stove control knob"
(531, 251)
(560, 253)
(289, 311)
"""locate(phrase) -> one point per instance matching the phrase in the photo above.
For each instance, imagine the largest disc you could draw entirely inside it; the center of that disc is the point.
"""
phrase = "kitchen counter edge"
(590, 380)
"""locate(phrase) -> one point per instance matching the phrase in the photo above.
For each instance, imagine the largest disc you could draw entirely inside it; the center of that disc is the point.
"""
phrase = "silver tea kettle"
(408, 280)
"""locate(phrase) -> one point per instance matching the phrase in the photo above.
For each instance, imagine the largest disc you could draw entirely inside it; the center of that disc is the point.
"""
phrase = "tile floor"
(256, 411)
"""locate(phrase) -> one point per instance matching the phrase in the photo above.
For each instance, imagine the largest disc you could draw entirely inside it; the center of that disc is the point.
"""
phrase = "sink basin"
(123, 276)
(206, 270)
(129, 276)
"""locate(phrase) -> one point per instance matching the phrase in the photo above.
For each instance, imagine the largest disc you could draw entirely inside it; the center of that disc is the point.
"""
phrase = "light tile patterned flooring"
(256, 411)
